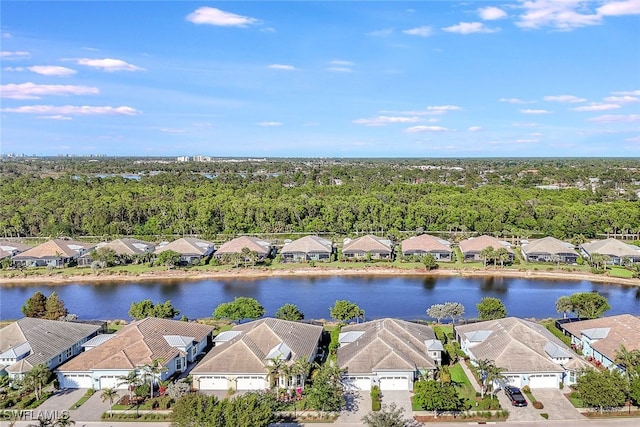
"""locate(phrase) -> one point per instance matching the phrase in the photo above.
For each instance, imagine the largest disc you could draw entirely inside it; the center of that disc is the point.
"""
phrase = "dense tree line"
(334, 198)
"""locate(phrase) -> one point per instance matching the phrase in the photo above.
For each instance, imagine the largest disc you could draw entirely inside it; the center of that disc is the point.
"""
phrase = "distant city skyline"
(535, 78)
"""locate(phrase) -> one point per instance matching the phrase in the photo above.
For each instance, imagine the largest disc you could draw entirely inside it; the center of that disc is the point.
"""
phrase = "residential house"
(368, 246)
(29, 342)
(260, 247)
(191, 249)
(600, 339)
(253, 356)
(125, 247)
(528, 353)
(307, 248)
(10, 249)
(52, 253)
(390, 353)
(549, 249)
(425, 244)
(173, 343)
(472, 248)
(616, 250)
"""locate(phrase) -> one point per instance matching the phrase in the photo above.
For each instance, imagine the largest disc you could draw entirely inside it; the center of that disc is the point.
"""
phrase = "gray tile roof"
(47, 339)
(611, 247)
(516, 345)
(548, 245)
(308, 244)
(247, 352)
(128, 246)
(138, 343)
(386, 345)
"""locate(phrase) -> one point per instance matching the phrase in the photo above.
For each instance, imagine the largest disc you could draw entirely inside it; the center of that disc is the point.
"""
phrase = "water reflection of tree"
(494, 284)
(429, 282)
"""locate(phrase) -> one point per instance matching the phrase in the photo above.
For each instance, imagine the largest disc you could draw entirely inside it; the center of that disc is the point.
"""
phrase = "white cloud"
(617, 8)
(269, 124)
(6, 35)
(213, 16)
(282, 67)
(563, 15)
(418, 129)
(526, 141)
(73, 110)
(173, 130)
(36, 91)
(52, 70)
(474, 129)
(626, 99)
(424, 31)
(628, 92)
(383, 120)
(525, 125)
(491, 13)
(56, 117)
(340, 69)
(633, 139)
(443, 108)
(109, 64)
(381, 33)
(341, 62)
(564, 98)
(469, 28)
(535, 111)
(5, 54)
(516, 101)
(596, 106)
(611, 118)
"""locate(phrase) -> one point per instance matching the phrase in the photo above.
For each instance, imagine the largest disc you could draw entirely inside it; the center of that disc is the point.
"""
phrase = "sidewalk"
(469, 374)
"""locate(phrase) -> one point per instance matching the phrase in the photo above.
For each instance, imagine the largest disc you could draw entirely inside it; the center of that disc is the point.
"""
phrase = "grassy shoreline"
(135, 273)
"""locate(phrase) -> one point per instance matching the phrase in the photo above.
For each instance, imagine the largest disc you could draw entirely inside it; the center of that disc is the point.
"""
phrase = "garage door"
(356, 383)
(76, 381)
(214, 383)
(394, 383)
(543, 381)
(251, 383)
(112, 381)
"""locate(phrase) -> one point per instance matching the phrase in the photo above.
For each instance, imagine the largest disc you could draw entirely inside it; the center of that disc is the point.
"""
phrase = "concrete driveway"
(358, 405)
(556, 405)
(516, 413)
(92, 409)
(61, 400)
(402, 399)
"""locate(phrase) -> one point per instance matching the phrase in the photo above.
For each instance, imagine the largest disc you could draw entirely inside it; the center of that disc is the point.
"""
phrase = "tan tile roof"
(477, 244)
(47, 338)
(138, 343)
(56, 248)
(610, 247)
(367, 243)
(308, 244)
(623, 329)
(386, 344)
(426, 243)
(128, 246)
(236, 245)
(517, 345)
(548, 245)
(246, 352)
(187, 246)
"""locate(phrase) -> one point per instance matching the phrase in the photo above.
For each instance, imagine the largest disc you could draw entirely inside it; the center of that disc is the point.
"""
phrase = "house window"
(69, 353)
(179, 364)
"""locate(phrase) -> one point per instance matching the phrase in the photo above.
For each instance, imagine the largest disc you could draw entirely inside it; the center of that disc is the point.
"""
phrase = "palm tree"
(132, 380)
(564, 306)
(36, 378)
(502, 255)
(64, 421)
(151, 372)
(628, 359)
(495, 374)
(301, 367)
(487, 254)
(275, 368)
(111, 395)
(483, 366)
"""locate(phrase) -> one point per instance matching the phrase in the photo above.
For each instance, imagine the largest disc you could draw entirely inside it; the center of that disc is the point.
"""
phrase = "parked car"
(515, 396)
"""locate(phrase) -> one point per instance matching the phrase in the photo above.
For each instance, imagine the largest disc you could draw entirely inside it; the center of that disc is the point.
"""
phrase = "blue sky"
(333, 78)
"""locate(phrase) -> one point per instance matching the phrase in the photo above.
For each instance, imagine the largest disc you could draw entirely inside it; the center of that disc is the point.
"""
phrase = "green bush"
(376, 401)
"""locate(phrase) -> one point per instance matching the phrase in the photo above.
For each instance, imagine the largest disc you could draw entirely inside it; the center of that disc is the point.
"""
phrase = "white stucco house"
(173, 343)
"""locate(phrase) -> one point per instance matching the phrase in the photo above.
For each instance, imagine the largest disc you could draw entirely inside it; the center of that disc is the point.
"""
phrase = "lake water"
(405, 297)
